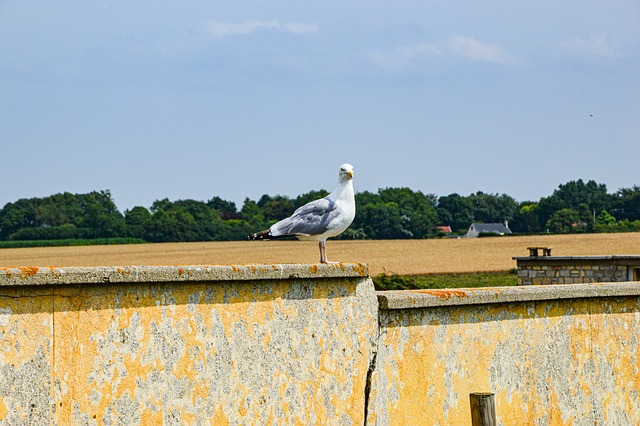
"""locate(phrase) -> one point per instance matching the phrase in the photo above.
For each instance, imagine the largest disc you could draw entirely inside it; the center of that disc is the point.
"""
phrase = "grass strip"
(436, 281)
(69, 242)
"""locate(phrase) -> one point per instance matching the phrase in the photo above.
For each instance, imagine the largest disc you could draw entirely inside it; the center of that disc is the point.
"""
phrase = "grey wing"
(311, 219)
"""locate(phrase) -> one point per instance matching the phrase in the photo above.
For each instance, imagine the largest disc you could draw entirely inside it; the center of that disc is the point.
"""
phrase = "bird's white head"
(346, 172)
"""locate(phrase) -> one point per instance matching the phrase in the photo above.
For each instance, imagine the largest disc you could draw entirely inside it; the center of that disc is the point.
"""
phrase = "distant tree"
(627, 203)
(415, 206)
(592, 194)
(227, 209)
(17, 215)
(163, 227)
(382, 221)
(57, 210)
(526, 221)
(134, 220)
(136, 216)
(277, 208)
(456, 211)
(61, 232)
(484, 208)
(183, 220)
(623, 226)
(264, 200)
(158, 205)
(236, 230)
(367, 197)
(432, 199)
(604, 218)
(393, 213)
(91, 215)
(492, 208)
(403, 197)
(252, 214)
(587, 216)
(99, 212)
(576, 206)
(209, 222)
(363, 200)
(547, 206)
(564, 221)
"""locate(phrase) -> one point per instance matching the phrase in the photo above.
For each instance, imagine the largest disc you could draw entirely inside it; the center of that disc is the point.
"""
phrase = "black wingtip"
(262, 235)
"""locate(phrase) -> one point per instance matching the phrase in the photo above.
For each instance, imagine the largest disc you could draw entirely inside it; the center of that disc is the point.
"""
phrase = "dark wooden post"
(483, 409)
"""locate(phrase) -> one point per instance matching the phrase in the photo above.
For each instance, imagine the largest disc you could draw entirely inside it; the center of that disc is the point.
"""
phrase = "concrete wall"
(308, 344)
(190, 345)
(576, 269)
(553, 355)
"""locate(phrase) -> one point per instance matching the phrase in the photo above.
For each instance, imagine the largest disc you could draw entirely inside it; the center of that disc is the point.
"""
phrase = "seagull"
(320, 219)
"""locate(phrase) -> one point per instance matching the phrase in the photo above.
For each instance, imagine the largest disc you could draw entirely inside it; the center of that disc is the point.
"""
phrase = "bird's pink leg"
(323, 253)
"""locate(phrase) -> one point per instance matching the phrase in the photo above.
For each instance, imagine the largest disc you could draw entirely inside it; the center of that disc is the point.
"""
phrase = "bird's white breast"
(346, 203)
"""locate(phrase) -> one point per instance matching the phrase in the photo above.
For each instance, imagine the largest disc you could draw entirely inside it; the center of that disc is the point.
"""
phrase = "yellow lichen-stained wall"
(286, 346)
(308, 344)
(551, 362)
(26, 325)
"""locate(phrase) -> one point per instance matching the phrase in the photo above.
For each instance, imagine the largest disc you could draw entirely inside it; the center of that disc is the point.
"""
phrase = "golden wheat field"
(404, 257)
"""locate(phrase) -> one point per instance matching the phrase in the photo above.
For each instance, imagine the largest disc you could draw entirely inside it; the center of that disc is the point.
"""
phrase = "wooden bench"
(535, 251)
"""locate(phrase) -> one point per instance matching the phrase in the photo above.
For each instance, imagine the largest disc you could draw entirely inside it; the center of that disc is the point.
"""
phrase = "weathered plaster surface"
(292, 348)
(549, 362)
(25, 355)
(308, 344)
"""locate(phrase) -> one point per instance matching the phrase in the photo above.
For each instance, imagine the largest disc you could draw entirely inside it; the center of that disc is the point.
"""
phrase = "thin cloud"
(598, 46)
(475, 50)
(467, 47)
(424, 50)
(404, 55)
(221, 30)
(301, 28)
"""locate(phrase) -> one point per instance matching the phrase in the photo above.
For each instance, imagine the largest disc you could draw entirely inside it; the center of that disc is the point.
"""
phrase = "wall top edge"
(27, 276)
(415, 299)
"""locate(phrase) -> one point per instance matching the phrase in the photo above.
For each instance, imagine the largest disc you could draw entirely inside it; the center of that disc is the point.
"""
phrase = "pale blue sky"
(154, 99)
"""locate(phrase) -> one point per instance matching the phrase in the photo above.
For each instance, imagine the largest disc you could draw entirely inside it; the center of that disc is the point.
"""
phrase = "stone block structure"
(543, 270)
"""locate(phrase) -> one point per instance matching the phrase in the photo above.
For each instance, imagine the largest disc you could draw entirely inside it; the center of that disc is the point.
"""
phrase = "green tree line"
(389, 213)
